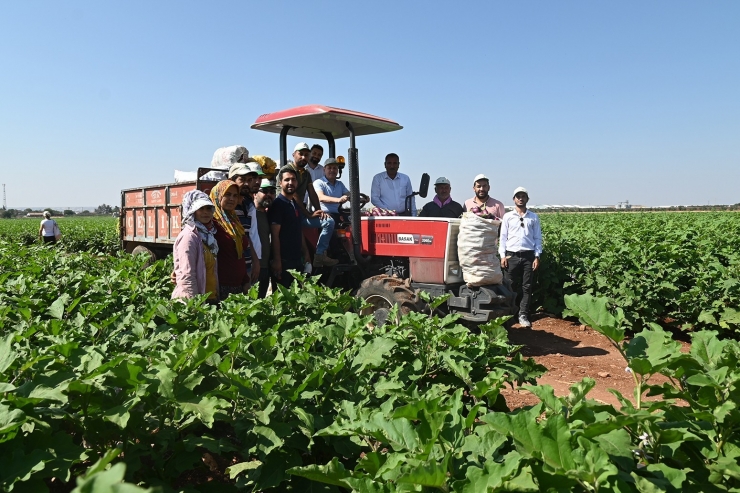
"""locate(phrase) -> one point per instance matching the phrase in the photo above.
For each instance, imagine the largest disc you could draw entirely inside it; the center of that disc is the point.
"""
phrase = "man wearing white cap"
(520, 247)
(318, 219)
(481, 203)
(442, 205)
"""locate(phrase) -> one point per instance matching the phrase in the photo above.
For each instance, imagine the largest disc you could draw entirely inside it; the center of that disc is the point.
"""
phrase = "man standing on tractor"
(332, 192)
(314, 167)
(318, 219)
(481, 203)
(248, 176)
(390, 188)
(520, 248)
(442, 205)
(285, 225)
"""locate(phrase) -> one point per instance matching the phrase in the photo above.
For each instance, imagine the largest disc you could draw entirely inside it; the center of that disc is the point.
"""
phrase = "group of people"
(520, 234)
(250, 228)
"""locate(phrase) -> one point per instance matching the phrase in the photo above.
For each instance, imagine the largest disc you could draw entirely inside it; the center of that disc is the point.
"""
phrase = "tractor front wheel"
(383, 292)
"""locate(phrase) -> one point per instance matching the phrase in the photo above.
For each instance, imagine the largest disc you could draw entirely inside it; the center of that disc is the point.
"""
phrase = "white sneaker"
(524, 321)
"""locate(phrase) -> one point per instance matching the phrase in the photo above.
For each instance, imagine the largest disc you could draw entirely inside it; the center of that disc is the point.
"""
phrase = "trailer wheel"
(383, 292)
(142, 249)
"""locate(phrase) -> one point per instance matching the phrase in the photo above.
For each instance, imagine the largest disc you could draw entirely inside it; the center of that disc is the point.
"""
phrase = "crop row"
(682, 269)
(79, 234)
(103, 378)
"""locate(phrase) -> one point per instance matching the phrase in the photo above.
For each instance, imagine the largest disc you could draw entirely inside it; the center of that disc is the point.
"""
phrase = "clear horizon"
(580, 102)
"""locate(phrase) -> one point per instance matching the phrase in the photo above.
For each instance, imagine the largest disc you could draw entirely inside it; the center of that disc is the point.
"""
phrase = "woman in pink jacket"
(196, 249)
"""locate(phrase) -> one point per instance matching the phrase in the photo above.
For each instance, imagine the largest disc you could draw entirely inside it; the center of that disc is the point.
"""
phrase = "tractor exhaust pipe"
(354, 195)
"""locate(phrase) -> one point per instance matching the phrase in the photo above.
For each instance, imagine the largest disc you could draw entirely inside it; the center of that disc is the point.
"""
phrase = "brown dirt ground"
(570, 352)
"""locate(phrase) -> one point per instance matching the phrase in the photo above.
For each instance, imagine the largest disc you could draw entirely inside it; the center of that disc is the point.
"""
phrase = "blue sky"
(581, 102)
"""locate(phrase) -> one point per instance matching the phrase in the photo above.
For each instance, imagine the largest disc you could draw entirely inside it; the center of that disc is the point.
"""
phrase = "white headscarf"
(191, 202)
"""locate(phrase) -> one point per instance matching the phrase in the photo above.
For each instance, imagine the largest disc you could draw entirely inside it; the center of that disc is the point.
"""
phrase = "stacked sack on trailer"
(477, 250)
(222, 160)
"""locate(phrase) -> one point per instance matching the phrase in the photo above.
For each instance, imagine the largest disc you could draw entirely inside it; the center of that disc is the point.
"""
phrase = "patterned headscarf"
(191, 202)
(228, 220)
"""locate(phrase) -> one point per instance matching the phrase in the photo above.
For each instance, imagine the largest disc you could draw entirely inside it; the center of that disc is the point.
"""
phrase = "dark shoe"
(321, 260)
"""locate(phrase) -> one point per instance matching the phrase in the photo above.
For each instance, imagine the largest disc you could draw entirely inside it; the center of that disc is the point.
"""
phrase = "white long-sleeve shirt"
(390, 193)
(520, 233)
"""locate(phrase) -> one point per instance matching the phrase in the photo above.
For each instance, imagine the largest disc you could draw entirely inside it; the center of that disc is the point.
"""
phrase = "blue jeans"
(327, 228)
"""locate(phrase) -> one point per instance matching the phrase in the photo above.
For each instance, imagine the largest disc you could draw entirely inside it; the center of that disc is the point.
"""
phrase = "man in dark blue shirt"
(286, 218)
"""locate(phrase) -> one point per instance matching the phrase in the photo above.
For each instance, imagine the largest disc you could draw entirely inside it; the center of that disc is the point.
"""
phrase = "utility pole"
(5, 202)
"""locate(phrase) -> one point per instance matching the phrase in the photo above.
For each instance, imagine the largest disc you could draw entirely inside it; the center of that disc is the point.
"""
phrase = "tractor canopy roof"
(313, 120)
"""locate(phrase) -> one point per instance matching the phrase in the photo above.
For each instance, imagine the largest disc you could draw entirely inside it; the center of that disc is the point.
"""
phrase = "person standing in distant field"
(442, 205)
(49, 229)
(520, 247)
(390, 188)
(482, 204)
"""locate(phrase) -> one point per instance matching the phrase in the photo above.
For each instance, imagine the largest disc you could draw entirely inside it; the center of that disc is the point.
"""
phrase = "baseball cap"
(331, 160)
(254, 167)
(301, 146)
(241, 169)
(200, 203)
(442, 181)
(480, 177)
(268, 183)
(520, 190)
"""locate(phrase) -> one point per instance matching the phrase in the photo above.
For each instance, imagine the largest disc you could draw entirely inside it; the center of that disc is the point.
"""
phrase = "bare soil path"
(570, 352)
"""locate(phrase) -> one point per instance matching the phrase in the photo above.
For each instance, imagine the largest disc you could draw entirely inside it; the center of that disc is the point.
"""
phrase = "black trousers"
(519, 273)
(265, 279)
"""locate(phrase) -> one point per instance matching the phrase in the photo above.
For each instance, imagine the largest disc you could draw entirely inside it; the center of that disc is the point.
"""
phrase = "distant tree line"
(101, 210)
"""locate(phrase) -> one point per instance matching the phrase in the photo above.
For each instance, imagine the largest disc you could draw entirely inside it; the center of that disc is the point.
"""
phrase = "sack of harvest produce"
(477, 250)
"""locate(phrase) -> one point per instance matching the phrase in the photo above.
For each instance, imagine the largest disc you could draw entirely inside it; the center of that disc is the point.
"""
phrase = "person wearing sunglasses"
(520, 247)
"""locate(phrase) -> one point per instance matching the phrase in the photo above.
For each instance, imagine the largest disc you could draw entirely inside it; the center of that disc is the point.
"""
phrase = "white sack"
(181, 176)
(477, 249)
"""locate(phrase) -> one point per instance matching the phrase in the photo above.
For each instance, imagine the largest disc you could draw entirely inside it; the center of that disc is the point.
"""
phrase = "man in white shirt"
(390, 189)
(520, 247)
(314, 167)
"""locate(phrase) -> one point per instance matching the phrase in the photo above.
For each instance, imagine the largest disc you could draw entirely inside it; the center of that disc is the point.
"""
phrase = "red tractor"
(390, 259)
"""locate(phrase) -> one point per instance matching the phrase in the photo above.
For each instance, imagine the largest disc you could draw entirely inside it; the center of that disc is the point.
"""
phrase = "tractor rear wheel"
(383, 292)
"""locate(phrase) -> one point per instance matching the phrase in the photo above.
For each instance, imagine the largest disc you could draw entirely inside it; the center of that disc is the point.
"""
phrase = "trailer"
(151, 216)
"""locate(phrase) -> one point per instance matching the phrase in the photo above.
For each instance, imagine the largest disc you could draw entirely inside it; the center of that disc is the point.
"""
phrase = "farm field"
(103, 378)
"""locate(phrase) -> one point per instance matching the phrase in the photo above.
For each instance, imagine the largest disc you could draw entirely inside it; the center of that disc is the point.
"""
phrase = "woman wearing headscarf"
(196, 249)
(231, 238)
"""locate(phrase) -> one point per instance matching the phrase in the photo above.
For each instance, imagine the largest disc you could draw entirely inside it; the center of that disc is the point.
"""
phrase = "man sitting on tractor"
(481, 204)
(442, 205)
(318, 219)
(331, 192)
(391, 188)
